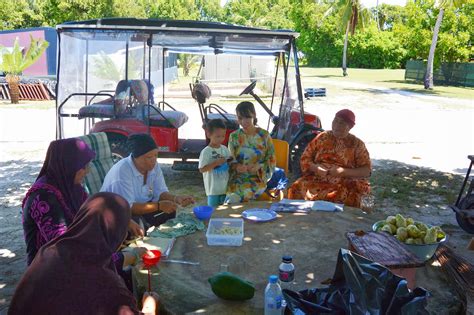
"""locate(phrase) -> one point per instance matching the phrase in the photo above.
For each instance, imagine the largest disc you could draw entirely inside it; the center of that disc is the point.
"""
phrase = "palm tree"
(15, 62)
(428, 81)
(352, 14)
(186, 61)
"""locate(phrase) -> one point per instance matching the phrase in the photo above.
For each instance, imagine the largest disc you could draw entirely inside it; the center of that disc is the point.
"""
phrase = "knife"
(184, 262)
(170, 245)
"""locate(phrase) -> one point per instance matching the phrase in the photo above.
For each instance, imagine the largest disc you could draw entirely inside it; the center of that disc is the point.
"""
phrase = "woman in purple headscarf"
(54, 199)
(75, 273)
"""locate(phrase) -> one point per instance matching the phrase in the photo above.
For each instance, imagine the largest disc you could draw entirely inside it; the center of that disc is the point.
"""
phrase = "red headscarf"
(74, 273)
(348, 116)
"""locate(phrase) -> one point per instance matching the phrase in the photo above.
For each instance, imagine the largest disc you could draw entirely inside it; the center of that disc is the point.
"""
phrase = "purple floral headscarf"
(63, 159)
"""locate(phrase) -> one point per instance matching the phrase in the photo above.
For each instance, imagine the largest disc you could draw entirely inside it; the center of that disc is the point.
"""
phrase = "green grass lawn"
(311, 77)
(388, 78)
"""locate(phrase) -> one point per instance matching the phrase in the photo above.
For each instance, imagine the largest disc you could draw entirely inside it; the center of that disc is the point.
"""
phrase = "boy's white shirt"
(215, 183)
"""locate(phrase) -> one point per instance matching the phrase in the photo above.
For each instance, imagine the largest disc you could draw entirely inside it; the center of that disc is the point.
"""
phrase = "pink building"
(46, 65)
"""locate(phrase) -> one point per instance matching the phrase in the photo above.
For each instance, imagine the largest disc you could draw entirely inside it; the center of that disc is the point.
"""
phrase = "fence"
(452, 73)
(30, 89)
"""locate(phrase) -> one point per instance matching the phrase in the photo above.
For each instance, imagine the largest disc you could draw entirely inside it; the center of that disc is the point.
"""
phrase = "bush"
(375, 49)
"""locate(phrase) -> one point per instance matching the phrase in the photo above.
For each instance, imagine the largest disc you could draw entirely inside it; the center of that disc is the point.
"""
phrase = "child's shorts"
(215, 200)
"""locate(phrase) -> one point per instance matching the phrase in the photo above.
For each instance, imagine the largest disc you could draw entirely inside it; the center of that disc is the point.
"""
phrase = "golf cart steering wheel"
(249, 88)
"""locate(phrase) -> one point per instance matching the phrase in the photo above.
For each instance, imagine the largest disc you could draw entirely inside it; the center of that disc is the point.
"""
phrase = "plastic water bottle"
(273, 297)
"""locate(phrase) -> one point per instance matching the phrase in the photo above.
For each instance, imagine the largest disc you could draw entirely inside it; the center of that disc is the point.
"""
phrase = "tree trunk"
(344, 52)
(429, 66)
(13, 84)
(377, 17)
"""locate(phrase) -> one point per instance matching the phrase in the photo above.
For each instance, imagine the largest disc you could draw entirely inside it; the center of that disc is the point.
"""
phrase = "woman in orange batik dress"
(335, 165)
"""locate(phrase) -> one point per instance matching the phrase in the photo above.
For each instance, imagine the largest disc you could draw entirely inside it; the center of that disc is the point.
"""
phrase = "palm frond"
(451, 3)
(336, 7)
(8, 64)
(350, 11)
(363, 18)
(17, 56)
(34, 52)
(15, 62)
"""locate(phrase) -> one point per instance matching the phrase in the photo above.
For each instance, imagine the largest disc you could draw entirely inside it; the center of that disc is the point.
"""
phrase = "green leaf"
(15, 62)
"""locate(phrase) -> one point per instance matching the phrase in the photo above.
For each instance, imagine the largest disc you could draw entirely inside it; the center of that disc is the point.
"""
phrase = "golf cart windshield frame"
(194, 37)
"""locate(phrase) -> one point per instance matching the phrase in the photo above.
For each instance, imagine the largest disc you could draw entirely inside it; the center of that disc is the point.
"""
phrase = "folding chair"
(279, 181)
(102, 162)
(282, 151)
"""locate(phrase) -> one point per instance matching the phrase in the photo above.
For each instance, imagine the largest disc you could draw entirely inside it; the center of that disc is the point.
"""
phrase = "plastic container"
(422, 251)
(273, 297)
(225, 232)
(203, 212)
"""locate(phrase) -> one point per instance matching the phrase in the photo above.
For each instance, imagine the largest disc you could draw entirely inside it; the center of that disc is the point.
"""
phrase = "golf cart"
(112, 72)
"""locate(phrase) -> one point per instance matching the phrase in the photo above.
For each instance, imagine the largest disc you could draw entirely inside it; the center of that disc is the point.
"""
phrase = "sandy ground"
(400, 129)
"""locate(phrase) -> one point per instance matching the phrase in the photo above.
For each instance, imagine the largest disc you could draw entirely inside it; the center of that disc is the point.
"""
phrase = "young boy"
(211, 163)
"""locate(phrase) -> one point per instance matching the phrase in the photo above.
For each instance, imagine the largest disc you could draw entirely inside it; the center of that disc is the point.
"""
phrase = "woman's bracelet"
(174, 198)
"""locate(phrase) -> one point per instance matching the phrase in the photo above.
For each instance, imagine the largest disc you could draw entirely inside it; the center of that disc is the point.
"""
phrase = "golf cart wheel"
(296, 154)
(467, 224)
(119, 149)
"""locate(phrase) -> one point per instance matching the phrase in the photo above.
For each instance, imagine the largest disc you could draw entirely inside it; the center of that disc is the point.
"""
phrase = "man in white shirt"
(139, 179)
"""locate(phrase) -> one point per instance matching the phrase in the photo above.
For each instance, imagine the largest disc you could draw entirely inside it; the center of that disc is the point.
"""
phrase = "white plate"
(321, 205)
(259, 215)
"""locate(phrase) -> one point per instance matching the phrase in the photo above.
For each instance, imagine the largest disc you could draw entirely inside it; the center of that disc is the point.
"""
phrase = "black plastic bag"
(359, 286)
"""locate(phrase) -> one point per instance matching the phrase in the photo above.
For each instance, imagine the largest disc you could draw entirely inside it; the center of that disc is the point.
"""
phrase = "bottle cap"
(287, 258)
(273, 279)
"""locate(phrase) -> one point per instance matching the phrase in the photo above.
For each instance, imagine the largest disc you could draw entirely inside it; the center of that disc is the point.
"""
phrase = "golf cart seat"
(97, 110)
(230, 120)
(167, 117)
(159, 116)
(142, 96)
(110, 107)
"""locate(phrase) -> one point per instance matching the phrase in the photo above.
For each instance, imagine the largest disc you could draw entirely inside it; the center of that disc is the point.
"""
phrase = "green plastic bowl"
(422, 251)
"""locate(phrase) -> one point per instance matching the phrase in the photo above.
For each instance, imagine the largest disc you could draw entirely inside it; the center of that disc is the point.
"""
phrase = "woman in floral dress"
(335, 165)
(254, 157)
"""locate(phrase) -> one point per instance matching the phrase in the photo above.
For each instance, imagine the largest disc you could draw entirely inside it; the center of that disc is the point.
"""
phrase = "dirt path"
(418, 144)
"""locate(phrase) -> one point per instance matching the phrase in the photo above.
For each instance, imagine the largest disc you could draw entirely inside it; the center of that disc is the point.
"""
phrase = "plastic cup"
(237, 265)
(367, 202)
(151, 258)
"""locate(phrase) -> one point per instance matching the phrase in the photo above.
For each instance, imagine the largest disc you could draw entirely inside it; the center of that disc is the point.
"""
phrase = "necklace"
(147, 191)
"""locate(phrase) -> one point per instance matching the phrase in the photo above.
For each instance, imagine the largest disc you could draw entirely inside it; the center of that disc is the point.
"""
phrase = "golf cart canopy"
(95, 55)
(194, 37)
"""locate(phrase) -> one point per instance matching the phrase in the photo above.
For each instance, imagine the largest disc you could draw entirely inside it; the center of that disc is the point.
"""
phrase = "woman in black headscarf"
(74, 273)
